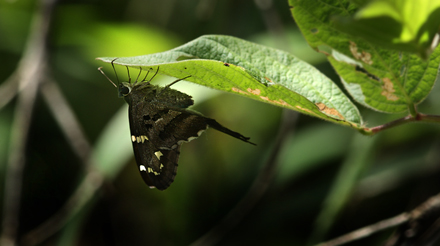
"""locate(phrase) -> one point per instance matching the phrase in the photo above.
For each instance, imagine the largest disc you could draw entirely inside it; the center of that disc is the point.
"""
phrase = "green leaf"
(382, 79)
(404, 24)
(254, 71)
(113, 148)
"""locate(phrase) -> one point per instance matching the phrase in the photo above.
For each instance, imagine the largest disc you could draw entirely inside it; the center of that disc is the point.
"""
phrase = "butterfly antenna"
(100, 69)
(172, 83)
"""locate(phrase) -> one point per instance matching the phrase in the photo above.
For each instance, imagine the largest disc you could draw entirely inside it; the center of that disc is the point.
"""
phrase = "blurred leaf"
(311, 147)
(381, 79)
(293, 42)
(359, 155)
(405, 25)
(254, 71)
(14, 25)
(113, 148)
(114, 39)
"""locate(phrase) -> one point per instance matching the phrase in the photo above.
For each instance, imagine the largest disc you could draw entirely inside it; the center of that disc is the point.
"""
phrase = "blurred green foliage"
(215, 171)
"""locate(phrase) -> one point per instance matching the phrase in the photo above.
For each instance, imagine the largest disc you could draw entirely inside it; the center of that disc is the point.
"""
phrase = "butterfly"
(160, 122)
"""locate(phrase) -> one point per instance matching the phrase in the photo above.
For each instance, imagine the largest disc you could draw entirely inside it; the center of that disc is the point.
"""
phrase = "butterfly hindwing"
(157, 133)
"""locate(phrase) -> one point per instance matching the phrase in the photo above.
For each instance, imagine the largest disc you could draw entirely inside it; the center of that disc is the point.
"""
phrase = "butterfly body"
(159, 123)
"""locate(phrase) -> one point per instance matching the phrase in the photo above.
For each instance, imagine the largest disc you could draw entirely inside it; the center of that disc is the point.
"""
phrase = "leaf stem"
(419, 117)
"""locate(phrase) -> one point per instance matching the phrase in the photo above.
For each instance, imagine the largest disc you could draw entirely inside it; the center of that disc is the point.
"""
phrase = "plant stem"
(417, 118)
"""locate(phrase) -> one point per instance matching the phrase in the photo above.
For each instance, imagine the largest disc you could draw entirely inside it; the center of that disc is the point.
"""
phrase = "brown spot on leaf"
(331, 111)
(388, 90)
(255, 92)
(363, 56)
(280, 102)
(239, 91)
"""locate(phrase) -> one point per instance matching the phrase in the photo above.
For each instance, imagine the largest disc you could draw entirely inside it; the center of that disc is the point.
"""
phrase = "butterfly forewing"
(157, 163)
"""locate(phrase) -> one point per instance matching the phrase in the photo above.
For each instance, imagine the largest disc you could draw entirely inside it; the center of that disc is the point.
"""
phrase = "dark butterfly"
(159, 123)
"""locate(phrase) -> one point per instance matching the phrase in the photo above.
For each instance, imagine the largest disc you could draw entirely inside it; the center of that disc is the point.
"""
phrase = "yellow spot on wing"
(140, 139)
(158, 154)
(150, 170)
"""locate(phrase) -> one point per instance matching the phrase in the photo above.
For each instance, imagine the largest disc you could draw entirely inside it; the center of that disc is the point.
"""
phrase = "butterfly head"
(124, 89)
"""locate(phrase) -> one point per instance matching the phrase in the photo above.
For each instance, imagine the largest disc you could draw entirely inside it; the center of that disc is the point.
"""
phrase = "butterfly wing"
(157, 132)
(157, 162)
(159, 124)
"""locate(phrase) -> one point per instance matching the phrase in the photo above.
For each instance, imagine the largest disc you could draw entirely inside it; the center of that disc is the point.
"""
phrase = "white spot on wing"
(191, 138)
(142, 168)
(133, 138)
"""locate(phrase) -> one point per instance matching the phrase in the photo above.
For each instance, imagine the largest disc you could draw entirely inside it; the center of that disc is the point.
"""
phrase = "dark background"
(215, 171)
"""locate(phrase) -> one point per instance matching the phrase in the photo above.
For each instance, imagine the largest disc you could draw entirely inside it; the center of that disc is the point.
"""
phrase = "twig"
(90, 184)
(8, 89)
(422, 227)
(423, 210)
(367, 231)
(256, 191)
(418, 118)
(16, 162)
(29, 74)
(65, 117)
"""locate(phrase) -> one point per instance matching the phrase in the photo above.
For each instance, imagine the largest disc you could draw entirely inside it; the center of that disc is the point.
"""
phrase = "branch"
(89, 185)
(367, 231)
(422, 212)
(418, 118)
(66, 118)
(256, 191)
(28, 76)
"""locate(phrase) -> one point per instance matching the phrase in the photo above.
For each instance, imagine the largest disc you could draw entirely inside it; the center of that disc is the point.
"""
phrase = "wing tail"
(214, 124)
